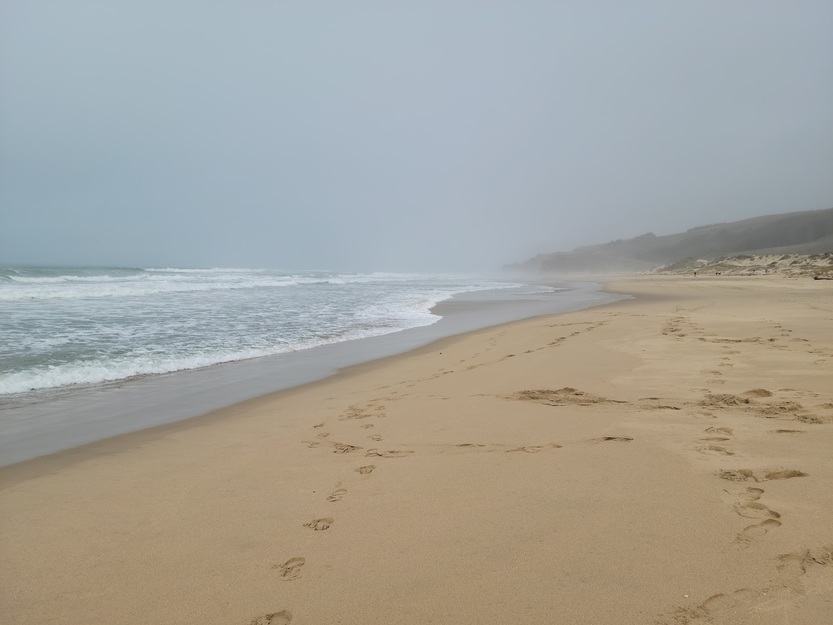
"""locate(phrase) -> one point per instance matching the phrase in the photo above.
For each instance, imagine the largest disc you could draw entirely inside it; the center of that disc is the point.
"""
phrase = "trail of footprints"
(750, 501)
(718, 441)
(792, 571)
(749, 506)
(291, 569)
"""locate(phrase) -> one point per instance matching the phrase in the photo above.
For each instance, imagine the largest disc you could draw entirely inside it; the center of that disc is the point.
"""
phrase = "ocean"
(90, 353)
(63, 326)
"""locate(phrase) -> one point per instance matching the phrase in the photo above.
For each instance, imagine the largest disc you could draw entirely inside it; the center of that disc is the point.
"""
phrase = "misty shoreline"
(70, 417)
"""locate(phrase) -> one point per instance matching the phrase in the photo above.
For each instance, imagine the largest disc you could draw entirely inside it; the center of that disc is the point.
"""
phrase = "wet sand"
(660, 460)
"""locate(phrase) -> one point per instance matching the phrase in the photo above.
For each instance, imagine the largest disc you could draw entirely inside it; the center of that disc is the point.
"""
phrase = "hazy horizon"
(371, 137)
(292, 269)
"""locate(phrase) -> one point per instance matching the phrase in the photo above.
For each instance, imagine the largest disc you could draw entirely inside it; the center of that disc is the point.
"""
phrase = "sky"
(444, 135)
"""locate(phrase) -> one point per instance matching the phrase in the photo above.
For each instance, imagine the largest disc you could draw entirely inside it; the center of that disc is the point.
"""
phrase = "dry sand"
(663, 460)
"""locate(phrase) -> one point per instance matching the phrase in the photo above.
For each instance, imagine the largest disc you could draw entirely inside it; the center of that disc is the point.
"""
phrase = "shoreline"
(664, 458)
(73, 418)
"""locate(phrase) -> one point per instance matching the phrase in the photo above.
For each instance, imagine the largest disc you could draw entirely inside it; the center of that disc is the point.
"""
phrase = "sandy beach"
(666, 459)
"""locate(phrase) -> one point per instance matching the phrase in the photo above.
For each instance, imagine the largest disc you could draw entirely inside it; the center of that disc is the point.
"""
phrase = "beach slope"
(665, 459)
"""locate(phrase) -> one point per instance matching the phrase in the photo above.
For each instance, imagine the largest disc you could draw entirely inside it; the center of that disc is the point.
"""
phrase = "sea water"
(65, 326)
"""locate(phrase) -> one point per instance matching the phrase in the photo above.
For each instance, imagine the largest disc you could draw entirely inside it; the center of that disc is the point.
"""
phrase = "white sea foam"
(84, 288)
(203, 271)
(108, 370)
(156, 282)
(63, 327)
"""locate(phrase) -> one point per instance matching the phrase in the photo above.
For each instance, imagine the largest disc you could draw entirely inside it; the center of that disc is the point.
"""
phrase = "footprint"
(756, 530)
(723, 602)
(752, 494)
(391, 453)
(758, 392)
(337, 494)
(719, 430)
(323, 434)
(787, 431)
(715, 439)
(354, 412)
(344, 448)
(790, 569)
(312, 444)
(476, 447)
(561, 397)
(808, 418)
(318, 425)
(375, 437)
(748, 475)
(721, 400)
(793, 566)
(320, 524)
(715, 450)
(617, 439)
(290, 570)
(654, 405)
(783, 474)
(365, 469)
(534, 449)
(367, 425)
(276, 618)
(749, 506)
